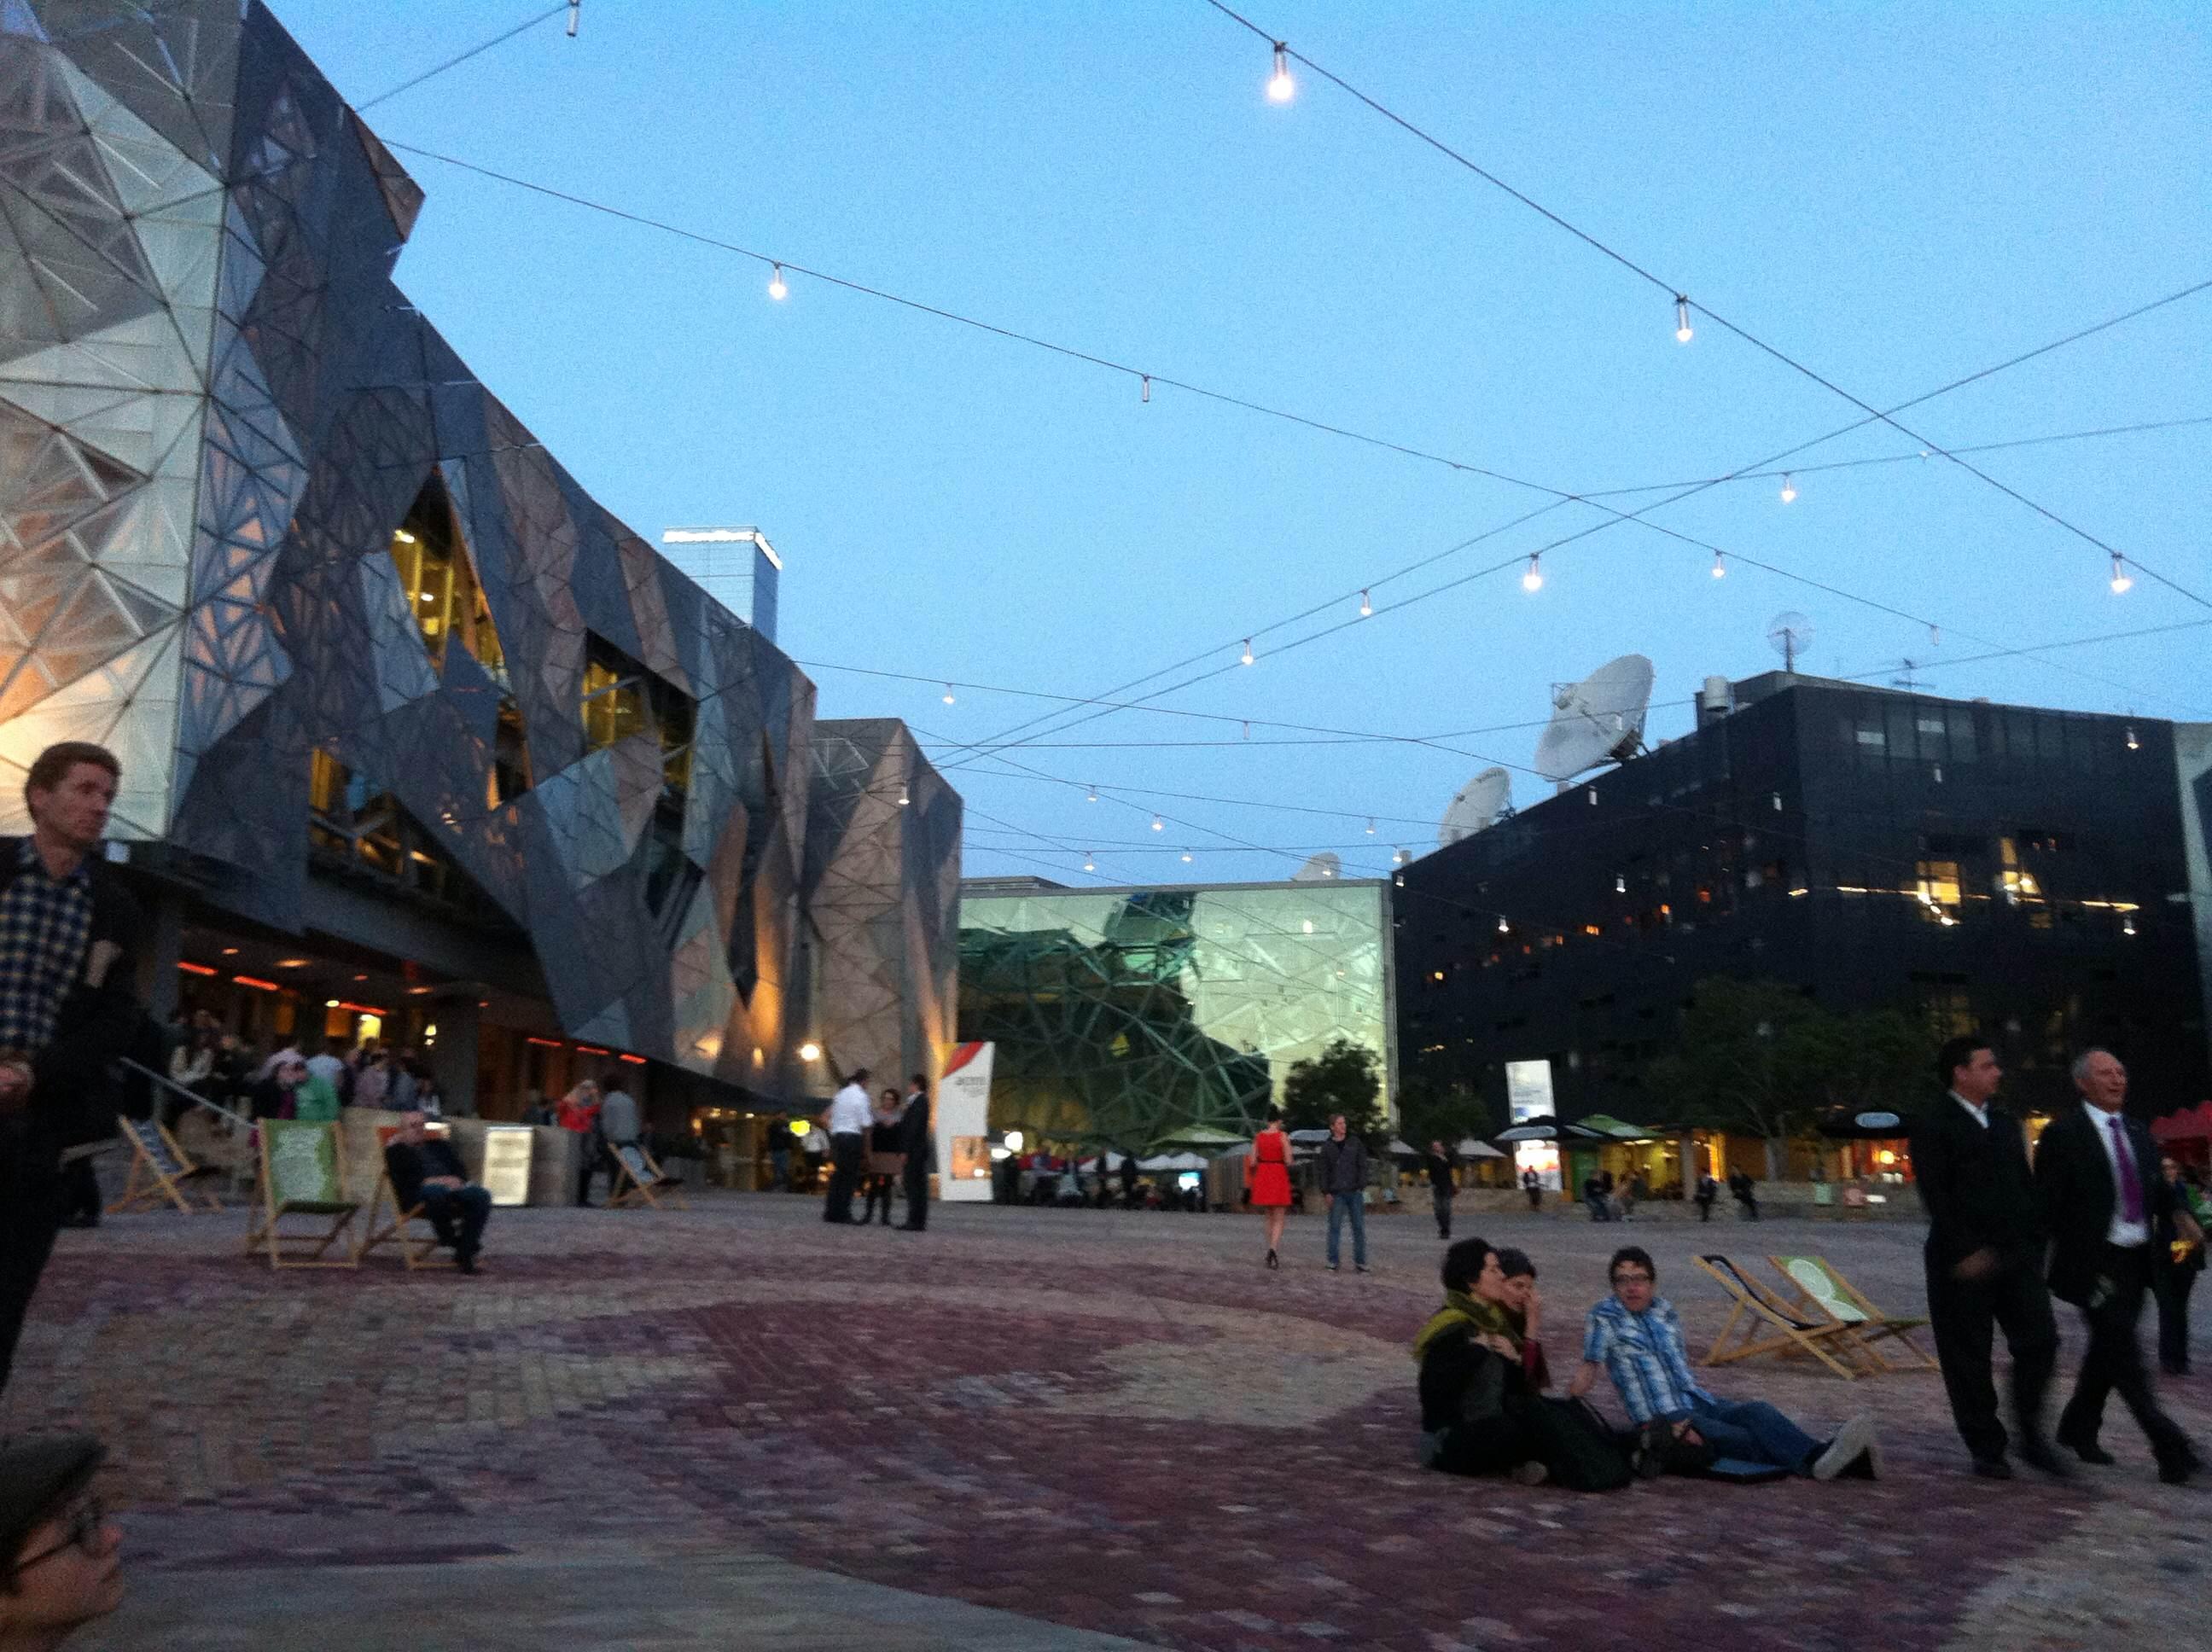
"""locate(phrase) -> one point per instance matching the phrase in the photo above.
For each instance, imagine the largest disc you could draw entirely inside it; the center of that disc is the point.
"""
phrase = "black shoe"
(466, 1261)
(2176, 1470)
(1360, 1266)
(911, 1227)
(2173, 1370)
(2038, 1454)
(1993, 1468)
(2087, 1450)
(1272, 1263)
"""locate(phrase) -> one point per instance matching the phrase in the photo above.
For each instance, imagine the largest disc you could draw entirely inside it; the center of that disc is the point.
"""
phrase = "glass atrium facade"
(1129, 1014)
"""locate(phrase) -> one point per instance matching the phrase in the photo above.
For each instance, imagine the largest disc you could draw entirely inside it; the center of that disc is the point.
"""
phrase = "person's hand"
(1498, 1345)
(2188, 1227)
(1687, 1435)
(1978, 1265)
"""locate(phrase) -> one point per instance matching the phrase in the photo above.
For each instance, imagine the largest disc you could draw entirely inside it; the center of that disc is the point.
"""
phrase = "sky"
(1893, 197)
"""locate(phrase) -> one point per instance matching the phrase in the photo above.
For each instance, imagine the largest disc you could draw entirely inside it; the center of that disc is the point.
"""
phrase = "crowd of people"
(296, 1079)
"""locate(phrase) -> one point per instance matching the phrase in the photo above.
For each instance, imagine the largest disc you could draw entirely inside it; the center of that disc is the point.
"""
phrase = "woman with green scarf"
(1475, 1381)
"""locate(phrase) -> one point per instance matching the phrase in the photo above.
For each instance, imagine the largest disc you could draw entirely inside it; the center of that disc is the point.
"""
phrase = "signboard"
(1528, 1090)
(962, 1122)
(507, 1162)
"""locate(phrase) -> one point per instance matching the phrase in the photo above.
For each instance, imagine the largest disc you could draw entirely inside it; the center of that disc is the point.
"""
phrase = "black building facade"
(2006, 869)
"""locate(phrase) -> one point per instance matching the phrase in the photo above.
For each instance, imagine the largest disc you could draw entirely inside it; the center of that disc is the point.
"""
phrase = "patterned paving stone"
(1108, 1423)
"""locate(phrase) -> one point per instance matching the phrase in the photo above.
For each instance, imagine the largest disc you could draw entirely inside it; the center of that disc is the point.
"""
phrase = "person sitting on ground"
(427, 1172)
(1523, 1309)
(61, 1565)
(1474, 1387)
(1634, 1337)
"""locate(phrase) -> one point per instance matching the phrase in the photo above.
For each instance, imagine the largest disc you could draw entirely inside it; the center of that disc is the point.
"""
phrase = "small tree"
(1429, 1111)
(1345, 1078)
(1745, 1051)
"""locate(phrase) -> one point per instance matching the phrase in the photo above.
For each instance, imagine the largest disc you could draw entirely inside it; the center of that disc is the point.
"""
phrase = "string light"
(1280, 87)
(948, 694)
(1534, 579)
(1366, 608)
(1370, 825)
(2133, 744)
(903, 799)
(1186, 856)
(1093, 797)
(1620, 885)
(1720, 572)
(1398, 857)
(2128, 924)
(1158, 825)
(1789, 488)
(1088, 863)
(1144, 392)
(1504, 928)
(1682, 334)
(2120, 580)
(1593, 796)
(776, 289)
(1247, 659)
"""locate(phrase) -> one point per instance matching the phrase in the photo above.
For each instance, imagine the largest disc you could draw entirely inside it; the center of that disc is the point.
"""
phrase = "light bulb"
(1093, 797)
(1778, 802)
(1592, 792)
(2120, 580)
(1682, 333)
(948, 694)
(776, 289)
(1280, 87)
(903, 798)
(1789, 489)
(2128, 924)
(1144, 390)
(1720, 569)
(1370, 825)
(1186, 856)
(1366, 608)
(2133, 744)
(1088, 863)
(1158, 825)
(1504, 928)
(1397, 857)
(1620, 885)
(1534, 579)
(1248, 660)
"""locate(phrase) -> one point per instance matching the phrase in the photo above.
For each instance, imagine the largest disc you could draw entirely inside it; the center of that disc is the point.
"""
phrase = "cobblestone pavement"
(755, 1427)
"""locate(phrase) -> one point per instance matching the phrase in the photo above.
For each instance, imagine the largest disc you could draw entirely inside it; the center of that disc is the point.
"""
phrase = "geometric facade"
(265, 535)
(1126, 1015)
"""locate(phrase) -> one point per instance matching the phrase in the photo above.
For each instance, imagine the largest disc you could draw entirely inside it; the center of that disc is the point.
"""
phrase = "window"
(356, 827)
(1938, 889)
(1929, 724)
(621, 698)
(443, 592)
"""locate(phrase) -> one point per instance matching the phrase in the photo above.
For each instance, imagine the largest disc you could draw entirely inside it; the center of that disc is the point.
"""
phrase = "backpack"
(1577, 1447)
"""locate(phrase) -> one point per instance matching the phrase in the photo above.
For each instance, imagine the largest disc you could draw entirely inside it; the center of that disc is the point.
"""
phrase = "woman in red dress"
(1268, 1170)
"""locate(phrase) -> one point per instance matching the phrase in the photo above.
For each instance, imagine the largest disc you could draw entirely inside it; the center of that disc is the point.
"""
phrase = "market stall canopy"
(1399, 1148)
(1470, 1148)
(1203, 1137)
(1308, 1137)
(2190, 1124)
(1545, 1128)
(1172, 1161)
(1872, 1125)
(1605, 1124)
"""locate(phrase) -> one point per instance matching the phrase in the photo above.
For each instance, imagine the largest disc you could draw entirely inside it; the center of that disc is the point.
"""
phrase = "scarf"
(1479, 1313)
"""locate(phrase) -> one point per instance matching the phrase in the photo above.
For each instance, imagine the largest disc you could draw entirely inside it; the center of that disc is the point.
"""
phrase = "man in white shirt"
(847, 1118)
(326, 1065)
(2099, 1177)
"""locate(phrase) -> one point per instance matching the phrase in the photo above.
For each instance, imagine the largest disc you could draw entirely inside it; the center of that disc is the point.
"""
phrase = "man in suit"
(1984, 1258)
(67, 929)
(919, 1143)
(2102, 1194)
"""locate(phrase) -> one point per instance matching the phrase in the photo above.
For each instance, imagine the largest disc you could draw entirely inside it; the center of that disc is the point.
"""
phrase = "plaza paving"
(739, 1427)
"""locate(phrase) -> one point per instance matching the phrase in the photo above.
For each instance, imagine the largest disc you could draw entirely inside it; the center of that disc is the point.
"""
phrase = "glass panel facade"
(1129, 1014)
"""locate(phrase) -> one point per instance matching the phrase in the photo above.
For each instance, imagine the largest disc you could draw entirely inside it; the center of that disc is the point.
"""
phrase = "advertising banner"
(1528, 1095)
(964, 1113)
(507, 1163)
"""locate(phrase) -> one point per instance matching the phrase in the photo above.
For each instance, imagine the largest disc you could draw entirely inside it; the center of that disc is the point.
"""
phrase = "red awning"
(2190, 1124)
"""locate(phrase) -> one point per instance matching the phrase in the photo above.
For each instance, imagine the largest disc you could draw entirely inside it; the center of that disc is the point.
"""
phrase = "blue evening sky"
(1895, 195)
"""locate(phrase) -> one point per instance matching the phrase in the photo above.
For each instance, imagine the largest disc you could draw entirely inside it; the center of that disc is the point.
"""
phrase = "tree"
(1746, 1048)
(1429, 1111)
(1345, 1078)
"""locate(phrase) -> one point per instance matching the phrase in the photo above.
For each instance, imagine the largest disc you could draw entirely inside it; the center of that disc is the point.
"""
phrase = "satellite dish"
(1324, 865)
(1598, 720)
(1790, 634)
(1479, 803)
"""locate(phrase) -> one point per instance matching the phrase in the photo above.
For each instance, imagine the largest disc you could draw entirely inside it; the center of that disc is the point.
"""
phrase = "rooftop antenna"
(1318, 868)
(1908, 680)
(1790, 634)
(1598, 720)
(1481, 803)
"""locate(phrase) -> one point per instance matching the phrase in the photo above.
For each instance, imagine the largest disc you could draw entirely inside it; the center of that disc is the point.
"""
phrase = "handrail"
(191, 1096)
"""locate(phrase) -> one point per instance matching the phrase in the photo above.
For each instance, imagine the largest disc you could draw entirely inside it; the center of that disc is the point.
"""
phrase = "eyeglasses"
(1631, 1279)
(82, 1529)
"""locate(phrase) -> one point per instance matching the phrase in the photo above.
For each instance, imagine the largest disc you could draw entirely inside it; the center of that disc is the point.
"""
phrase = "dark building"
(419, 741)
(2005, 868)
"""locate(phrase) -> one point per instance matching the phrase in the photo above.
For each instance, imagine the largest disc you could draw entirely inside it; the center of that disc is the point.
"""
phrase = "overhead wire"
(1683, 300)
(459, 58)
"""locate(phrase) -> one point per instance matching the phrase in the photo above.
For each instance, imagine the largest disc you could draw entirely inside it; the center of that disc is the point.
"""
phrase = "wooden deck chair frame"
(1872, 1326)
(415, 1250)
(628, 1189)
(1758, 1310)
(267, 1233)
(148, 1184)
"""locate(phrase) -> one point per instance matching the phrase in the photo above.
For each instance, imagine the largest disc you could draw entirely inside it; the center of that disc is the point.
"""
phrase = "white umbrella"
(1470, 1148)
(1172, 1161)
(1399, 1148)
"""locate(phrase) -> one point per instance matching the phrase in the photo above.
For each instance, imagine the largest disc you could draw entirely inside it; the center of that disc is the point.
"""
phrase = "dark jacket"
(1343, 1165)
(916, 1140)
(1975, 1184)
(1439, 1166)
(2080, 1195)
(78, 1088)
(411, 1164)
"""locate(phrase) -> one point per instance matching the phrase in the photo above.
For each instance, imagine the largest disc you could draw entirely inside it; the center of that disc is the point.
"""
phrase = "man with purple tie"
(2102, 1196)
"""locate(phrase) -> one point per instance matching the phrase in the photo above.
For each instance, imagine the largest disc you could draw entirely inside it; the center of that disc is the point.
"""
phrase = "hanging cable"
(455, 62)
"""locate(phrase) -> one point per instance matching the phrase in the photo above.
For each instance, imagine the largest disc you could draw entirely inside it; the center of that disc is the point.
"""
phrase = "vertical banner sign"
(507, 1162)
(964, 1114)
(1528, 1095)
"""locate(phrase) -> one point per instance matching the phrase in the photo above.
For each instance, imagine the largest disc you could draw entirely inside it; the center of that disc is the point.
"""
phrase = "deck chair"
(1817, 1289)
(1771, 1326)
(415, 1249)
(159, 1170)
(302, 1175)
(638, 1180)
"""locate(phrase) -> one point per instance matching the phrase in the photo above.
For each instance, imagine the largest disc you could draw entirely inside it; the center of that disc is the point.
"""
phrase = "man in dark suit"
(918, 1142)
(2102, 1195)
(1984, 1257)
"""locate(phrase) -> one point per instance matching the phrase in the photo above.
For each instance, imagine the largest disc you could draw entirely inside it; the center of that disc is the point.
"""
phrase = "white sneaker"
(1854, 1440)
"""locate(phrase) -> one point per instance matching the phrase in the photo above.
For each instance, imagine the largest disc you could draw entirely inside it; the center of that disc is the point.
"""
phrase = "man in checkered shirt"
(66, 927)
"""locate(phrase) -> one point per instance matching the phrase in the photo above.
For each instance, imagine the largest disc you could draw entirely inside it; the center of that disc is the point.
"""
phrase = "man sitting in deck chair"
(427, 1172)
(1634, 1337)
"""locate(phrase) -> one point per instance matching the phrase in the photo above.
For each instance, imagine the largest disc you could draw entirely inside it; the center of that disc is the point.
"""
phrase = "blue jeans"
(1751, 1431)
(1354, 1205)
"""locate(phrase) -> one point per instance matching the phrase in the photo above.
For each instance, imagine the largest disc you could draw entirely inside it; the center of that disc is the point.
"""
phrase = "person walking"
(1439, 1164)
(847, 1119)
(886, 1164)
(2091, 1167)
(1746, 1195)
(2175, 1263)
(918, 1142)
(1343, 1182)
(1268, 1173)
(1983, 1257)
(1708, 1191)
(580, 1116)
(68, 927)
